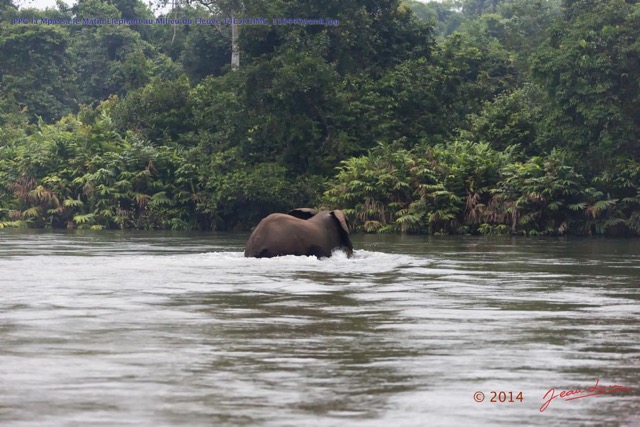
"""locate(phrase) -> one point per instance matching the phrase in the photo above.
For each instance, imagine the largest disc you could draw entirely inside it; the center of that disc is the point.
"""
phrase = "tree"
(510, 119)
(228, 9)
(445, 14)
(158, 112)
(590, 72)
(36, 69)
(108, 59)
(475, 8)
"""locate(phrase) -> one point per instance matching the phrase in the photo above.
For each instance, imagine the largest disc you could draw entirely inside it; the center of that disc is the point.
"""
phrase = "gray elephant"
(303, 231)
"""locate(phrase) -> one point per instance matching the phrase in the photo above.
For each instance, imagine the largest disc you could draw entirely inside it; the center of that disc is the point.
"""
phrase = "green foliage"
(539, 196)
(77, 175)
(476, 70)
(467, 187)
(589, 70)
(201, 50)
(240, 193)
(35, 69)
(372, 35)
(510, 119)
(445, 14)
(110, 60)
(440, 189)
(491, 117)
(52, 69)
(157, 112)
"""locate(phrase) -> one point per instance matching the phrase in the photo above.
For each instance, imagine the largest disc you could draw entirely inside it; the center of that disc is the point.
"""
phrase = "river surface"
(170, 329)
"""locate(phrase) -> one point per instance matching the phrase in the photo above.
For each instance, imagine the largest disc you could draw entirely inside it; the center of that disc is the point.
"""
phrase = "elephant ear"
(303, 213)
(342, 219)
(343, 227)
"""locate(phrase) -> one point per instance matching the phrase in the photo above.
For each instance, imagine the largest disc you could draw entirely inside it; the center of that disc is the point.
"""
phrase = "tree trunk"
(235, 49)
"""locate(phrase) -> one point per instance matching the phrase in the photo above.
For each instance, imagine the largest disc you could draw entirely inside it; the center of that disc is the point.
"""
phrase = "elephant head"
(303, 231)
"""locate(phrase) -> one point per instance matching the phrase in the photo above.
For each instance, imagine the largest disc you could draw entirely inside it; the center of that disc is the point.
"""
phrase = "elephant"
(303, 231)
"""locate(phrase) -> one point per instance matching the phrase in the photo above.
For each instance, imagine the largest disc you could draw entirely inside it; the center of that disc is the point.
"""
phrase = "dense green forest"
(467, 116)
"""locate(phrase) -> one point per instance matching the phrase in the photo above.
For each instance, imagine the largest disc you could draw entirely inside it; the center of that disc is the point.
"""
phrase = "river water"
(164, 329)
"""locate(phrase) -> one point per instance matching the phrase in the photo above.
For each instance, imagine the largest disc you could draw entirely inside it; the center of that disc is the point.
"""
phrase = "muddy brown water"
(164, 329)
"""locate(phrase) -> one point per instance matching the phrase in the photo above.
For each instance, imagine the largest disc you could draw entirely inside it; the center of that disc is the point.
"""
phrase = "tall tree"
(111, 59)
(590, 69)
(228, 9)
(36, 69)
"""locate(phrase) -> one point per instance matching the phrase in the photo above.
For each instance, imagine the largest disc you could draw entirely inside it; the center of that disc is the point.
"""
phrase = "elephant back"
(303, 213)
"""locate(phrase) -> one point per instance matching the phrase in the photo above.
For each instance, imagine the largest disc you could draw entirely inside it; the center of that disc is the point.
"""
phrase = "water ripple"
(171, 329)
